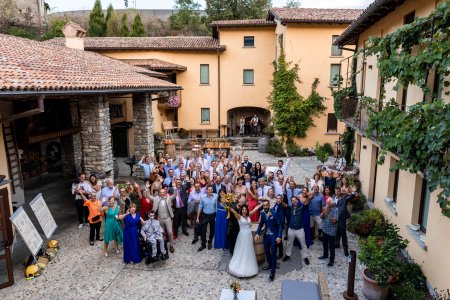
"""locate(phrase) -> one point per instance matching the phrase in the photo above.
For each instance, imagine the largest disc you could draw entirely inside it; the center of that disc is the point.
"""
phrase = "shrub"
(275, 148)
(412, 274)
(328, 149)
(321, 153)
(358, 205)
(406, 291)
(379, 253)
(364, 223)
(183, 133)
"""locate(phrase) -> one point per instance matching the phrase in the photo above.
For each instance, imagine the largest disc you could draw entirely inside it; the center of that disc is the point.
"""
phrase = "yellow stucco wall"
(309, 45)
(434, 260)
(194, 95)
(236, 58)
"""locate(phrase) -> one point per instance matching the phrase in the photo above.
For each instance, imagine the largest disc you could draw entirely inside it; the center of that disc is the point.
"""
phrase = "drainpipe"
(218, 87)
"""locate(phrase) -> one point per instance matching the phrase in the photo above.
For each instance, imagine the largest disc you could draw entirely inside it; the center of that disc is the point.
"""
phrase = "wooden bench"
(291, 289)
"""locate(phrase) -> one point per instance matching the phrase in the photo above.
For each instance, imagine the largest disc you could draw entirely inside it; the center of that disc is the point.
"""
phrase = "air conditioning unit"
(414, 227)
(389, 199)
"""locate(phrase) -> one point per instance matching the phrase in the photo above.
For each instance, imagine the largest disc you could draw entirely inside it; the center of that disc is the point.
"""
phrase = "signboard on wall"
(43, 215)
(25, 227)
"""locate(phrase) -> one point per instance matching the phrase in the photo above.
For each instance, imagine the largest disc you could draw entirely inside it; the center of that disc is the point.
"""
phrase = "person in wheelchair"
(152, 233)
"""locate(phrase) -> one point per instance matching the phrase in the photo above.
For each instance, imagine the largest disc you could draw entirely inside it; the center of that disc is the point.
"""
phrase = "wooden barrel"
(169, 148)
(262, 144)
(258, 245)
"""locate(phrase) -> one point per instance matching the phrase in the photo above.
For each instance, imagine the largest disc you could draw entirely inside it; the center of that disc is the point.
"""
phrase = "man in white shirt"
(263, 189)
(193, 201)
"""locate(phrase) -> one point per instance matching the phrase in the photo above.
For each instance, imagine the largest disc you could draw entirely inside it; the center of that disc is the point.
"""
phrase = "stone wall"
(143, 125)
(71, 146)
(96, 136)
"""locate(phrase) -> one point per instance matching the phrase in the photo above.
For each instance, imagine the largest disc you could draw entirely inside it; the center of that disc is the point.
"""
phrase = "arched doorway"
(235, 114)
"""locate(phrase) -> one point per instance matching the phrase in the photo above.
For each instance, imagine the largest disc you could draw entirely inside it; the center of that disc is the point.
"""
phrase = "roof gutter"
(4, 94)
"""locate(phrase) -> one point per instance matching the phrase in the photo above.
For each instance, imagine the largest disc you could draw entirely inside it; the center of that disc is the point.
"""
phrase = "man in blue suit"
(280, 211)
(271, 238)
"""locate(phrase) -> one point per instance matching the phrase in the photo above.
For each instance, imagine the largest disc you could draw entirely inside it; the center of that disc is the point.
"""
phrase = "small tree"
(292, 4)
(124, 31)
(112, 25)
(55, 28)
(97, 23)
(138, 29)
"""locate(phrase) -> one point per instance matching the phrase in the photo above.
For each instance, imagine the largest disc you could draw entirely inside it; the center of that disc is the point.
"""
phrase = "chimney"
(74, 36)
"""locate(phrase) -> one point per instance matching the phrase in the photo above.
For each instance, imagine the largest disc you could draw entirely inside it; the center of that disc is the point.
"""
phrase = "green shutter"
(335, 72)
(205, 115)
(204, 74)
(249, 77)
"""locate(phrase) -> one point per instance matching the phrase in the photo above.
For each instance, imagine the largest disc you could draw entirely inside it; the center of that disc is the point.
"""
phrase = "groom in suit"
(271, 238)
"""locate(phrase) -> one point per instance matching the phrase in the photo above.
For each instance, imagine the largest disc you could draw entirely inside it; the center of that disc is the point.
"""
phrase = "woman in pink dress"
(252, 200)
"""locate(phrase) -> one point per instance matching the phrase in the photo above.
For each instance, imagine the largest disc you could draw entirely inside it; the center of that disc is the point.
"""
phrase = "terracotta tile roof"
(27, 65)
(143, 70)
(174, 43)
(243, 23)
(154, 64)
(372, 14)
(314, 15)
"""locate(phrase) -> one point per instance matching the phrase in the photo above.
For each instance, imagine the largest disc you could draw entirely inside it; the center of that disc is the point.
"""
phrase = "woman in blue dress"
(131, 253)
(220, 230)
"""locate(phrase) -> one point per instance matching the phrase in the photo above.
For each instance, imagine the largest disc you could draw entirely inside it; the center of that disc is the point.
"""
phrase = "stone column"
(96, 136)
(71, 146)
(143, 125)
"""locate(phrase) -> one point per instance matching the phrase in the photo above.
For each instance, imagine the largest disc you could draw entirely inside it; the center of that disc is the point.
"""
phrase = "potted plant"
(379, 254)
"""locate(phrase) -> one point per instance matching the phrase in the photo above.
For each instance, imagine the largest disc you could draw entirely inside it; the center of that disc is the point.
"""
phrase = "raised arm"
(238, 216)
(255, 210)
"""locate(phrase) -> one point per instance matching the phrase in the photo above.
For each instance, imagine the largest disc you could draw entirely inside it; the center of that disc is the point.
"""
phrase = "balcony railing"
(349, 108)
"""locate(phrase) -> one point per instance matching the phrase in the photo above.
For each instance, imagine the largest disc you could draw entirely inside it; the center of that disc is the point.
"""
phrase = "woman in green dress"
(113, 228)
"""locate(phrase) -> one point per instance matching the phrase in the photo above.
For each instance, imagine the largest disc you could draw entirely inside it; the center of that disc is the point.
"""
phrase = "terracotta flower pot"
(372, 290)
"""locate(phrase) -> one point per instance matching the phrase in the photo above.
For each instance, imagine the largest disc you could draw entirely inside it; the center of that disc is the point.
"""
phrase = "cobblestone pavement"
(80, 271)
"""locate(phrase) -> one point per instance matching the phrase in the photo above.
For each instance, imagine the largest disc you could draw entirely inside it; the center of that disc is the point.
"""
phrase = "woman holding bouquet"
(220, 229)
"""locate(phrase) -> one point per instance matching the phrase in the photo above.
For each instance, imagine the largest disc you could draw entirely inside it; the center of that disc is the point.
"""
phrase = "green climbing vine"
(420, 136)
(293, 114)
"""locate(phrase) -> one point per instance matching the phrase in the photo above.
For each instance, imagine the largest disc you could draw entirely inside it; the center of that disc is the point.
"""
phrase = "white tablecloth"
(227, 294)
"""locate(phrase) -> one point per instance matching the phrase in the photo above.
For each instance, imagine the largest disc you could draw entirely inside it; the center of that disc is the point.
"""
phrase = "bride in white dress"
(243, 263)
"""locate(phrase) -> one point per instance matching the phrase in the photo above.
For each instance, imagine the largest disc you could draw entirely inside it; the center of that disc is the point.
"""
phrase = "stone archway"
(235, 114)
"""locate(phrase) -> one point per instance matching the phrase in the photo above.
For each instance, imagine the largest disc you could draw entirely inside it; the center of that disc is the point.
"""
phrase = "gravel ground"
(82, 272)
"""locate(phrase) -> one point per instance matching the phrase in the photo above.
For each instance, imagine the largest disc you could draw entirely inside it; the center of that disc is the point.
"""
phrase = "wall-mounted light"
(364, 147)
(370, 67)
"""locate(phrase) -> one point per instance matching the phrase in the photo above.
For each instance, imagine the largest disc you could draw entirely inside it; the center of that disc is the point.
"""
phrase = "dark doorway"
(120, 141)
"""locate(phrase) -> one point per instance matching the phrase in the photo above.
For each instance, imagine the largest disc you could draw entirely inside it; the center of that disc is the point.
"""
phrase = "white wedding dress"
(243, 263)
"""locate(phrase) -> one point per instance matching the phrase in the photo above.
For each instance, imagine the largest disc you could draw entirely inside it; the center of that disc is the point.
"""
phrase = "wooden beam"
(28, 113)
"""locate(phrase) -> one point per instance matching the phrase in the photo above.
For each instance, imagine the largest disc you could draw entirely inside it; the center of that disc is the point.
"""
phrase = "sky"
(68, 5)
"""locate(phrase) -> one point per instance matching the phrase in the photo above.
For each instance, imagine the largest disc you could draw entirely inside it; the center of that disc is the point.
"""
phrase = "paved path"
(82, 272)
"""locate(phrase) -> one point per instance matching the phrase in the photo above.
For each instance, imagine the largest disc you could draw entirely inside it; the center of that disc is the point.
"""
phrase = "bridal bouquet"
(235, 286)
(226, 202)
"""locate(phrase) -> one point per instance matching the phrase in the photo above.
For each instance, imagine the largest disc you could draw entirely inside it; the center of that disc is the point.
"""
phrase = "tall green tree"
(124, 30)
(187, 17)
(137, 28)
(292, 4)
(237, 9)
(112, 25)
(97, 23)
(293, 114)
(109, 12)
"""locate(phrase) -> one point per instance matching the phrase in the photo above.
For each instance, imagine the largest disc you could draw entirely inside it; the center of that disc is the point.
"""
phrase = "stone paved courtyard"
(82, 272)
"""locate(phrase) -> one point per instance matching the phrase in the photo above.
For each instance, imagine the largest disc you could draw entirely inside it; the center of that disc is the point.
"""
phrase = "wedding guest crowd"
(218, 194)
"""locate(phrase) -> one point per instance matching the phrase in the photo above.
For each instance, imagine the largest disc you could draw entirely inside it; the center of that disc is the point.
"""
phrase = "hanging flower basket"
(174, 101)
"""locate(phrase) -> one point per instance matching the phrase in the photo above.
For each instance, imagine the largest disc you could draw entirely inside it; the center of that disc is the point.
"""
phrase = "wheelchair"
(146, 251)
